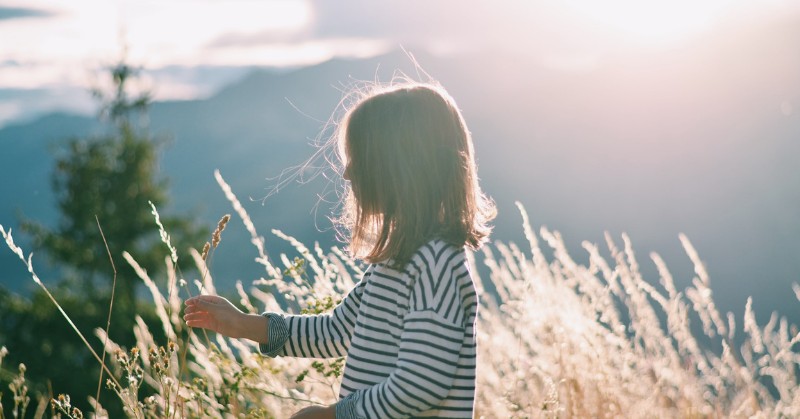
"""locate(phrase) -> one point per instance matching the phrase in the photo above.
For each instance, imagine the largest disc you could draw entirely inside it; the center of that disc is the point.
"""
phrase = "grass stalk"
(29, 263)
(110, 309)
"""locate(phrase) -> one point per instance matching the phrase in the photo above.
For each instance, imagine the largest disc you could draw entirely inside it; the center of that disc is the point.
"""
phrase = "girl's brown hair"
(409, 158)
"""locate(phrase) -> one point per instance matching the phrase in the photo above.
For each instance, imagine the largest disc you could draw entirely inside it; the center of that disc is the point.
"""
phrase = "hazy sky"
(52, 51)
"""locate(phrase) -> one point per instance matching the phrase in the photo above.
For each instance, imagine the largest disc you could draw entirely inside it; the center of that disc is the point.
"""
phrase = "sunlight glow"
(651, 23)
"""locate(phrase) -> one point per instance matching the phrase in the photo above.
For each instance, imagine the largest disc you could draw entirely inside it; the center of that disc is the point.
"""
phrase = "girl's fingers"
(201, 320)
(202, 311)
(199, 305)
(202, 299)
(213, 299)
(192, 309)
(194, 316)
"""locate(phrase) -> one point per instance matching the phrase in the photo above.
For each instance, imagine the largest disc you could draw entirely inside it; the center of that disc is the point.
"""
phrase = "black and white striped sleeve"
(314, 336)
(431, 340)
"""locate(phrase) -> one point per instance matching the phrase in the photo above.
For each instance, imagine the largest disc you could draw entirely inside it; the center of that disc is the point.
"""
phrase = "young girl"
(412, 206)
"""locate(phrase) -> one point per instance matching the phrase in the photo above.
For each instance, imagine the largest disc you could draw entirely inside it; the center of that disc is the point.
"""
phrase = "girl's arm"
(314, 336)
(320, 336)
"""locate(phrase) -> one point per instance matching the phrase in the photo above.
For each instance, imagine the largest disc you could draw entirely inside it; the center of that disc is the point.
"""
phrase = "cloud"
(415, 23)
(22, 12)
(439, 27)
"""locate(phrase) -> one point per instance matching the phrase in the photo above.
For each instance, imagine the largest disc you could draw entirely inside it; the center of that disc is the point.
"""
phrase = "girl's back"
(419, 324)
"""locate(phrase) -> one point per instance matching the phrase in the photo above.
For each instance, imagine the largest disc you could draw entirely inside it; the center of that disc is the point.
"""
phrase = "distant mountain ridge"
(611, 149)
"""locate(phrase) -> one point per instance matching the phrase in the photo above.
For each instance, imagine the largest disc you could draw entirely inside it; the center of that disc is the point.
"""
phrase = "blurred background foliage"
(99, 181)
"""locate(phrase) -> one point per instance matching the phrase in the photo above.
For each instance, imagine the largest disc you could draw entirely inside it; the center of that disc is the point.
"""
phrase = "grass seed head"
(216, 237)
(122, 358)
(206, 248)
(112, 385)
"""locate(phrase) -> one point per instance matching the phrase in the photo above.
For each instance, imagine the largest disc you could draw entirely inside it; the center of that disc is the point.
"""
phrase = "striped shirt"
(409, 338)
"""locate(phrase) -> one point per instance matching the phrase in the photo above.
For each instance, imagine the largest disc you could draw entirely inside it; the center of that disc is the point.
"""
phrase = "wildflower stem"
(10, 242)
(75, 328)
(110, 308)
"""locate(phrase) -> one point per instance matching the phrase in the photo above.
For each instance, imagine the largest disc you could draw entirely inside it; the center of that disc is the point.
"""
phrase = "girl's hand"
(316, 412)
(219, 315)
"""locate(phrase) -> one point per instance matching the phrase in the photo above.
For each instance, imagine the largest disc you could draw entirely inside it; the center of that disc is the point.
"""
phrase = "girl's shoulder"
(439, 276)
(428, 261)
(437, 252)
(435, 260)
(431, 254)
(436, 275)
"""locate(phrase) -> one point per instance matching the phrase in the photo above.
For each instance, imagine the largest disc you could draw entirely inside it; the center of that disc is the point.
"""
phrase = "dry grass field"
(556, 339)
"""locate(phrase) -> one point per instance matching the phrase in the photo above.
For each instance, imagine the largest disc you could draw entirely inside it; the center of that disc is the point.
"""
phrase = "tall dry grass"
(569, 340)
(556, 339)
